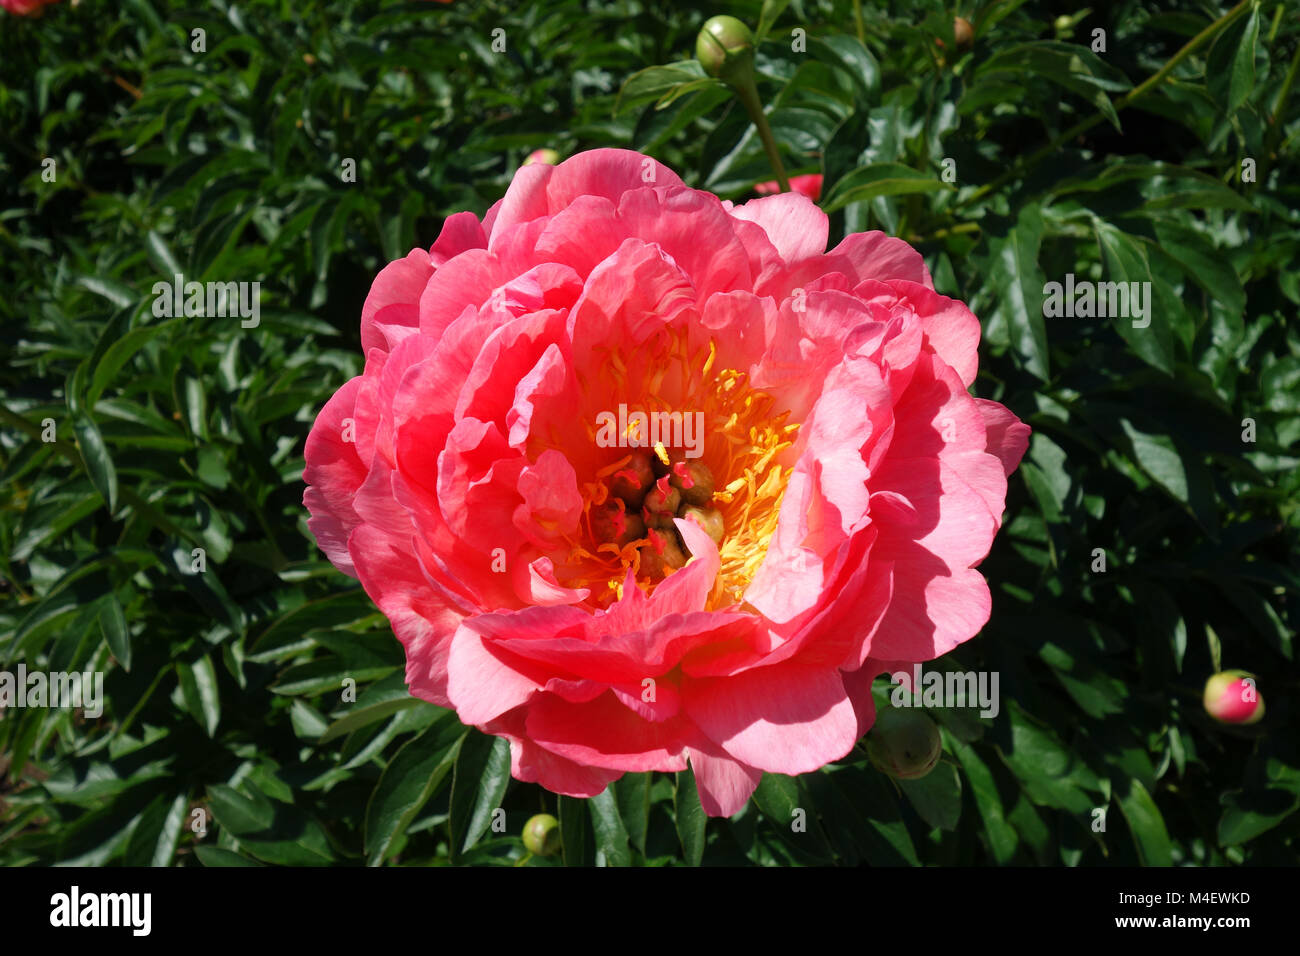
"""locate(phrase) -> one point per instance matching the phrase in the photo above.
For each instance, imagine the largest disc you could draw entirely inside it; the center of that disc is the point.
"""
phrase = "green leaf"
(1018, 283)
(161, 255)
(113, 623)
(656, 82)
(611, 836)
(771, 10)
(94, 453)
(849, 55)
(572, 813)
(410, 780)
(239, 813)
(1145, 823)
(477, 785)
(1001, 835)
(121, 295)
(118, 354)
(365, 714)
(690, 816)
(1248, 814)
(1157, 455)
(1074, 68)
(199, 688)
(880, 179)
(1203, 263)
(1126, 261)
(936, 797)
(170, 833)
(1230, 67)
(791, 813)
(633, 792)
(215, 856)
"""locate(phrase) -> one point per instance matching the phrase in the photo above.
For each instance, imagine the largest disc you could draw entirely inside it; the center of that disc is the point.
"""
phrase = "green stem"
(957, 230)
(1278, 109)
(1127, 99)
(857, 18)
(748, 94)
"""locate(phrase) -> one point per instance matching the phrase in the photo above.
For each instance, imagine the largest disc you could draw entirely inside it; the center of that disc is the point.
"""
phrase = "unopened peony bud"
(1231, 697)
(725, 48)
(904, 743)
(542, 835)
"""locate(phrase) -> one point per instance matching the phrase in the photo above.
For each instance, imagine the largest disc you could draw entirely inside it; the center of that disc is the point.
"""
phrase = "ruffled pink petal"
(391, 311)
(530, 763)
(795, 225)
(604, 733)
(724, 784)
(609, 173)
(1008, 436)
(482, 682)
(334, 472)
(461, 231)
(787, 718)
(424, 625)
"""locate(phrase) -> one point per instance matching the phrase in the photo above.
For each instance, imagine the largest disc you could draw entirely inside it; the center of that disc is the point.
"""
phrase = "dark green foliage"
(222, 688)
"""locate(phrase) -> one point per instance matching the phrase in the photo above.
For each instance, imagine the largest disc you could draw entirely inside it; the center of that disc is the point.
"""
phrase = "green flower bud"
(542, 835)
(725, 48)
(904, 743)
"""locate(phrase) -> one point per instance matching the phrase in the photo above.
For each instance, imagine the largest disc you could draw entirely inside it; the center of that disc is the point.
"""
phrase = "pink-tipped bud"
(1231, 697)
(547, 157)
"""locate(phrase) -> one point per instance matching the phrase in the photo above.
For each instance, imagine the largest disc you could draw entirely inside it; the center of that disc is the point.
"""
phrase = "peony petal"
(796, 226)
(392, 307)
(1008, 436)
(334, 471)
(724, 784)
(788, 718)
(604, 733)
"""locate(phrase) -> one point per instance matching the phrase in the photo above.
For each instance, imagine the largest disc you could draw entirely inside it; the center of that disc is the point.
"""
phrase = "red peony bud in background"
(26, 8)
(1231, 697)
(809, 185)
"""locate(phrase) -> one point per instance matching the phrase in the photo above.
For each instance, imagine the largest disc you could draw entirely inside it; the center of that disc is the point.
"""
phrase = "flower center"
(706, 447)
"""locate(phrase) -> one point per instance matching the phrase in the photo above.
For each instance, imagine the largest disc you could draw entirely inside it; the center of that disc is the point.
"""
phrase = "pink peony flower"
(810, 186)
(26, 8)
(557, 583)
